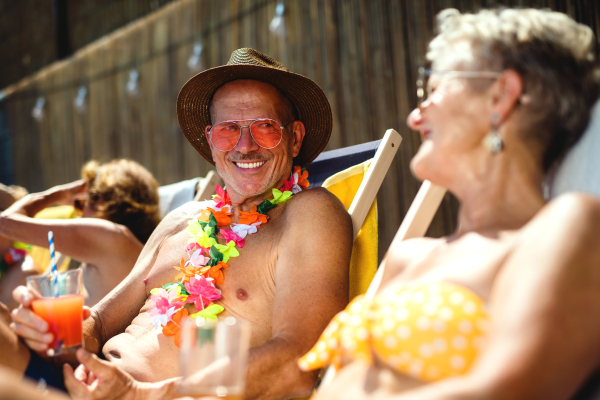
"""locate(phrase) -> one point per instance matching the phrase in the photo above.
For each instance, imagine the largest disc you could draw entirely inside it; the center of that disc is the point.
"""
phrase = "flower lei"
(206, 258)
(16, 253)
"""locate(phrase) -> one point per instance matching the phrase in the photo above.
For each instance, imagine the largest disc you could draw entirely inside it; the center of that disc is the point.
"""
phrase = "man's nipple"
(242, 294)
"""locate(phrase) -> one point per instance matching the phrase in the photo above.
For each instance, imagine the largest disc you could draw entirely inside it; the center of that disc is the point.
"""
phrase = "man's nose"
(246, 144)
(414, 119)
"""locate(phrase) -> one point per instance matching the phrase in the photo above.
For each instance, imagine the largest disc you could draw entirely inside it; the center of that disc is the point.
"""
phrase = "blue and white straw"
(53, 262)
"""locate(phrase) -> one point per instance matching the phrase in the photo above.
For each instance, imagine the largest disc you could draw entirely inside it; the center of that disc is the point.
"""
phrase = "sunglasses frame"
(282, 127)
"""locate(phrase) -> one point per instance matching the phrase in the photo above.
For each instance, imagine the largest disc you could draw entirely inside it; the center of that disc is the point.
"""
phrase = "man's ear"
(297, 133)
(206, 130)
(506, 94)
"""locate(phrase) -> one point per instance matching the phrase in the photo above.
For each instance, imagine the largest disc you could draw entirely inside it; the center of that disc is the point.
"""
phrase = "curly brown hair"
(124, 192)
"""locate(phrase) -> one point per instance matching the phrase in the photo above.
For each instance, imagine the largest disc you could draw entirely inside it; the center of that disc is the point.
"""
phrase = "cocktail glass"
(60, 307)
(213, 358)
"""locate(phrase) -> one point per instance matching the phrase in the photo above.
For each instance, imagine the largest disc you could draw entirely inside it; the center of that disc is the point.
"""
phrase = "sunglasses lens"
(225, 135)
(266, 133)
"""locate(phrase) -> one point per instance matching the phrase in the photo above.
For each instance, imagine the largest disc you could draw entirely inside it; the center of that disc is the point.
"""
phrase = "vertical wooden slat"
(363, 53)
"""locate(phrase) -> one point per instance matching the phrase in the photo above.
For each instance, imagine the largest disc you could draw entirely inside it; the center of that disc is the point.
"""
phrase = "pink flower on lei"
(230, 235)
(202, 291)
(288, 185)
(221, 198)
(165, 305)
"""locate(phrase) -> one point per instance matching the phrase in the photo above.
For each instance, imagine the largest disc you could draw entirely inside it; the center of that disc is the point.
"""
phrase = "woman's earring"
(492, 141)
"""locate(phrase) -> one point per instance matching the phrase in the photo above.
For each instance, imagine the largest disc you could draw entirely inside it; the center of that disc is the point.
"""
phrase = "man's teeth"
(250, 165)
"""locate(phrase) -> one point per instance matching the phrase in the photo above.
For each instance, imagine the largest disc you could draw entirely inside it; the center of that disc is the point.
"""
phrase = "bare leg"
(13, 353)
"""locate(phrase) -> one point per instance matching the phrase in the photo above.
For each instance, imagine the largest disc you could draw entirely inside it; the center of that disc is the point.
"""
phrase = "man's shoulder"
(318, 206)
(181, 215)
(316, 199)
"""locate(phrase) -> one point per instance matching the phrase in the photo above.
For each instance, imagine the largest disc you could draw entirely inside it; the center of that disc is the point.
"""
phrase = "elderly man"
(254, 120)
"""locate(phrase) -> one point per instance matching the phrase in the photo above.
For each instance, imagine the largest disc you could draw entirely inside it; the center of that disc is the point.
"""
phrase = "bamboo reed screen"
(363, 53)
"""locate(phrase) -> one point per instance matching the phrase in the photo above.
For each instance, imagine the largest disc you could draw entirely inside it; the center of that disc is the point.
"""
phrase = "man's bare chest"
(250, 274)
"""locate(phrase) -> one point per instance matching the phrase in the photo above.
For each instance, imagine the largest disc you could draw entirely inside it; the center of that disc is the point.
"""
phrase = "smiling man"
(275, 260)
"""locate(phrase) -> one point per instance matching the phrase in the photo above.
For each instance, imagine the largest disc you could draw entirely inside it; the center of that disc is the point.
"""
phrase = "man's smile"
(249, 165)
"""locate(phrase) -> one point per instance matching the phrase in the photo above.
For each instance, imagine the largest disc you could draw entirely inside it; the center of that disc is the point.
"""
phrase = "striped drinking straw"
(53, 262)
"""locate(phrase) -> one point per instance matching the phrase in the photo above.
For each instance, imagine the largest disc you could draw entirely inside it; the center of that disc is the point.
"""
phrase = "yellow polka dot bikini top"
(427, 331)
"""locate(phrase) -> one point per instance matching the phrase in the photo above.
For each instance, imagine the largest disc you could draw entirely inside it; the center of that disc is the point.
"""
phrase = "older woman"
(508, 306)
(119, 205)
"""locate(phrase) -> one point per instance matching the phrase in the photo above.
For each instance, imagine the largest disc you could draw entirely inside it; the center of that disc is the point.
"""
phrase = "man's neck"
(244, 203)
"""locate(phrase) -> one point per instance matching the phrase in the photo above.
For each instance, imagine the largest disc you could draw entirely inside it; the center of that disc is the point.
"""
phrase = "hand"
(97, 379)
(29, 326)
(68, 192)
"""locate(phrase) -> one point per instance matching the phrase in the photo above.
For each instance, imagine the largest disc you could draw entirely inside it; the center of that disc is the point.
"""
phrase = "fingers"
(81, 373)
(87, 312)
(76, 388)
(93, 364)
(23, 296)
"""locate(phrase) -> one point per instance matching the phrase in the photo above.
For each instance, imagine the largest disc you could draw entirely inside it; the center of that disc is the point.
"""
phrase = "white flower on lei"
(244, 229)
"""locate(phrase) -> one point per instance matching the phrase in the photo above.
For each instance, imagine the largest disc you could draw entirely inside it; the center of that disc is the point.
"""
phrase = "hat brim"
(313, 107)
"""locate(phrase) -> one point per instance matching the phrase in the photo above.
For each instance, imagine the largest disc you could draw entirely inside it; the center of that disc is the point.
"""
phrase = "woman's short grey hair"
(554, 55)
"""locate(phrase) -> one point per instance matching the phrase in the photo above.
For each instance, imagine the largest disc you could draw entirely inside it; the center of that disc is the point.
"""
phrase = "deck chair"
(354, 174)
(177, 194)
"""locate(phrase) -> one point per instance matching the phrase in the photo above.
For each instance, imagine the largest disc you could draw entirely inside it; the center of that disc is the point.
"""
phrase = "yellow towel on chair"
(363, 263)
(41, 255)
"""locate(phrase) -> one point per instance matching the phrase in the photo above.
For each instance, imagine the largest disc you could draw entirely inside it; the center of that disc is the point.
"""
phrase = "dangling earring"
(492, 141)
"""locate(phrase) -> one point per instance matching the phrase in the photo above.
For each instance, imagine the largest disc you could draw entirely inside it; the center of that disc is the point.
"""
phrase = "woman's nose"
(414, 119)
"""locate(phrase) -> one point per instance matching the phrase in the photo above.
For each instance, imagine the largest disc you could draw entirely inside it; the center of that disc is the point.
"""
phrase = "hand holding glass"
(64, 314)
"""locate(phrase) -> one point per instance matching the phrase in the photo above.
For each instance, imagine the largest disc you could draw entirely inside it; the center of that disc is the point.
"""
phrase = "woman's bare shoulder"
(567, 215)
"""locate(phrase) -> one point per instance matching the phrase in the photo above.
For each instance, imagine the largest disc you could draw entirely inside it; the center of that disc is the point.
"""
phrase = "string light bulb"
(38, 110)
(79, 103)
(132, 86)
(195, 61)
(277, 25)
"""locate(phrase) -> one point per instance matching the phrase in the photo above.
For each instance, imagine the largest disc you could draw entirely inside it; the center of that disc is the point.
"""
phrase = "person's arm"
(90, 240)
(311, 281)
(543, 337)
(113, 313)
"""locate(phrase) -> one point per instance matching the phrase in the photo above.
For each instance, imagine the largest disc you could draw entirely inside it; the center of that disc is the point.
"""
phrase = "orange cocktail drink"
(58, 300)
(64, 316)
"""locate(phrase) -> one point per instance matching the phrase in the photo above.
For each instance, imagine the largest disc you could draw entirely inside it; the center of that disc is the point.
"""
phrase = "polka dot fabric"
(427, 331)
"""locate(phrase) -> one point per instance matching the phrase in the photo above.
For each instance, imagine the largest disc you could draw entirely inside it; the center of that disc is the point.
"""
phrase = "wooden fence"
(363, 53)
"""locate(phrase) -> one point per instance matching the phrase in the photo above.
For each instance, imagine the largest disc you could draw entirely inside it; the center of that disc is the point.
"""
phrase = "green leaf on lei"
(173, 286)
(209, 312)
(215, 257)
(280, 197)
(264, 207)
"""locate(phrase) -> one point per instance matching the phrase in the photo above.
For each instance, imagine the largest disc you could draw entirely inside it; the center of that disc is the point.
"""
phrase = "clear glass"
(61, 309)
(213, 358)
(265, 132)
(423, 89)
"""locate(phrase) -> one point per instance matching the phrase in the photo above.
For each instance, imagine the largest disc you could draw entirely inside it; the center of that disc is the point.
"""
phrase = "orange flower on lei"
(302, 177)
(248, 218)
(216, 272)
(173, 328)
(223, 217)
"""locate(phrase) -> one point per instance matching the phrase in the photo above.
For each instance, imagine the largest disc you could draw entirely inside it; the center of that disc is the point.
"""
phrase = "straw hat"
(310, 101)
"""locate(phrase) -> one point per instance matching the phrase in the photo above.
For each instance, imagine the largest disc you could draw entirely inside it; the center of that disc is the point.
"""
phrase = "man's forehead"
(246, 95)
(249, 86)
